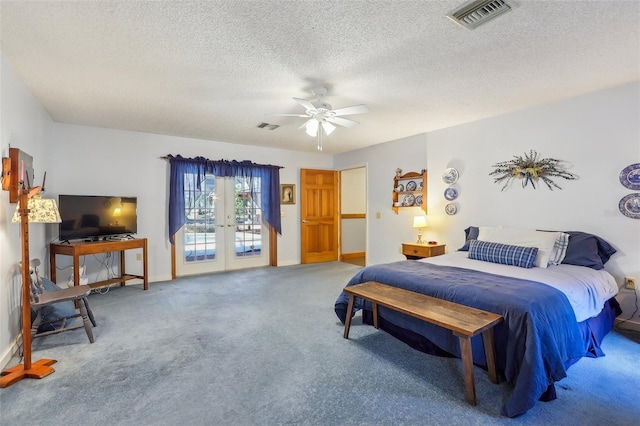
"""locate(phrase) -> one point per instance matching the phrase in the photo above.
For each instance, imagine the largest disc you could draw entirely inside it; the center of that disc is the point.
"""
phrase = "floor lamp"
(31, 209)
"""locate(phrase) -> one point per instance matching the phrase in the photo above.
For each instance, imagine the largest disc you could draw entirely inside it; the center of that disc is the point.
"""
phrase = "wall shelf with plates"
(410, 190)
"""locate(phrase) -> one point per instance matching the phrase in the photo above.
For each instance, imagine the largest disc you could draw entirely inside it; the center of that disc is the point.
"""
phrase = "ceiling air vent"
(267, 126)
(476, 13)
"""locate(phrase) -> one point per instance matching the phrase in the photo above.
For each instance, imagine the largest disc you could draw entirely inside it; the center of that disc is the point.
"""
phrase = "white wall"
(386, 234)
(89, 160)
(24, 124)
(597, 134)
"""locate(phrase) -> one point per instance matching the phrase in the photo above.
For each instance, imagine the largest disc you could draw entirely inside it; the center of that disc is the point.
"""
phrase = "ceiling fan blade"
(290, 115)
(356, 109)
(305, 103)
(342, 121)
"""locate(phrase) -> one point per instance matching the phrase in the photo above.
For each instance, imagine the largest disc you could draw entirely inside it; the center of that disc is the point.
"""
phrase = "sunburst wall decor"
(530, 168)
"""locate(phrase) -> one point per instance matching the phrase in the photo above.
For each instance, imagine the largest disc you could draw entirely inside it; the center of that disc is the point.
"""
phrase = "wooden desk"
(77, 249)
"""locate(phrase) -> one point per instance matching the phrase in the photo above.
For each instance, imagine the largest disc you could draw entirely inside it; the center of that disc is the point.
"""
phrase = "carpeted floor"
(264, 347)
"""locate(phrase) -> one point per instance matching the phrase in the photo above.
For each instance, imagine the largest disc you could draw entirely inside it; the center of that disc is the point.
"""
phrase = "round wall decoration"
(629, 206)
(450, 176)
(450, 194)
(630, 177)
(451, 209)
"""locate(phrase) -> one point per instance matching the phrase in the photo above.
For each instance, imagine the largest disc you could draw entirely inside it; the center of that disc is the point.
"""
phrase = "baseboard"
(353, 255)
(627, 324)
(11, 351)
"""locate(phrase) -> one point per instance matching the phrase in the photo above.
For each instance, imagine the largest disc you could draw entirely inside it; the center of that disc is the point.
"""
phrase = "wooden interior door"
(319, 214)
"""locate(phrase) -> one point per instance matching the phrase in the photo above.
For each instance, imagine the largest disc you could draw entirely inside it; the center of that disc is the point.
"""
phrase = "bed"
(551, 287)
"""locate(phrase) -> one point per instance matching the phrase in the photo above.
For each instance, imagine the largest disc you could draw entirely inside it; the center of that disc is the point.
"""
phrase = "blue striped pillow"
(504, 254)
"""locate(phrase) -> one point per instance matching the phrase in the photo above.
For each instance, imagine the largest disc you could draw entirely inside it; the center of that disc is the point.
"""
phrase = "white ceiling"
(214, 70)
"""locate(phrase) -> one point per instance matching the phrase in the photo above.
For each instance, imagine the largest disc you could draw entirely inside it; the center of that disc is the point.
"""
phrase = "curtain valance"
(199, 167)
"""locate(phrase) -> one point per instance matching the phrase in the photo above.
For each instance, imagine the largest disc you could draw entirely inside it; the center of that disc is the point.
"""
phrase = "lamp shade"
(41, 210)
(117, 212)
(420, 221)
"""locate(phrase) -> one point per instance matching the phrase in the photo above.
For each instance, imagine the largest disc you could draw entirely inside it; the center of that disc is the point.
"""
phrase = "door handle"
(220, 226)
(305, 221)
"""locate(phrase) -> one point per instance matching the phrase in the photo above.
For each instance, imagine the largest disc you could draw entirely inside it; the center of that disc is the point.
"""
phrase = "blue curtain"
(184, 167)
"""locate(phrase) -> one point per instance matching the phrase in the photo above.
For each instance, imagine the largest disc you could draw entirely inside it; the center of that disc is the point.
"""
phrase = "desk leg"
(76, 271)
(122, 267)
(52, 266)
(347, 320)
(467, 368)
(144, 266)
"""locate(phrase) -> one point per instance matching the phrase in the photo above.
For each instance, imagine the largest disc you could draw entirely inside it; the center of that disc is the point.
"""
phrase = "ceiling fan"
(321, 117)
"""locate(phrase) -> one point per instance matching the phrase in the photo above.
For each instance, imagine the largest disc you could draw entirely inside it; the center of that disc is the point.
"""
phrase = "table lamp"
(31, 209)
(420, 222)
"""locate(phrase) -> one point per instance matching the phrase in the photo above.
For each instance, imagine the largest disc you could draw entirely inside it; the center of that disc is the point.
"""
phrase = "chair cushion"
(55, 310)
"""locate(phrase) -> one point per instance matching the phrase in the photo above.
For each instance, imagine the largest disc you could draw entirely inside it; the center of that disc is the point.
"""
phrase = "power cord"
(635, 292)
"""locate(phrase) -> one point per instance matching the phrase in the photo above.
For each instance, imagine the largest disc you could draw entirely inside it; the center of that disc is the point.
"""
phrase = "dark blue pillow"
(587, 250)
(504, 254)
(54, 311)
(471, 233)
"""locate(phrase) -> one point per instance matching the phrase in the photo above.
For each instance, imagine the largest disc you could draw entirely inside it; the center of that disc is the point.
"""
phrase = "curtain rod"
(169, 157)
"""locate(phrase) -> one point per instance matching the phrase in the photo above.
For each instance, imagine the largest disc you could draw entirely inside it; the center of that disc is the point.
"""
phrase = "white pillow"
(544, 241)
(559, 249)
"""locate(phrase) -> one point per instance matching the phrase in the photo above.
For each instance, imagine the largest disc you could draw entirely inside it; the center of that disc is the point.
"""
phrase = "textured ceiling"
(214, 70)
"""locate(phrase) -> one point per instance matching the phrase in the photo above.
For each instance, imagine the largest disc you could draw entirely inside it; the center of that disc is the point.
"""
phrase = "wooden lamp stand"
(41, 368)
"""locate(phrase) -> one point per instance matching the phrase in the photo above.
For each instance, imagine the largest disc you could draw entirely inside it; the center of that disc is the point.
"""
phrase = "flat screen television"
(92, 217)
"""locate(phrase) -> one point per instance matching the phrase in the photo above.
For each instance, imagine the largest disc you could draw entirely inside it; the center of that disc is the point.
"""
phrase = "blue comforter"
(538, 340)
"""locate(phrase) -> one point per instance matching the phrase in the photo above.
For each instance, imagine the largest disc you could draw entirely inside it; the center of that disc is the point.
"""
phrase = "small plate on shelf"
(630, 206)
(412, 185)
(418, 201)
(451, 209)
(399, 188)
(450, 194)
(450, 176)
(408, 200)
(630, 177)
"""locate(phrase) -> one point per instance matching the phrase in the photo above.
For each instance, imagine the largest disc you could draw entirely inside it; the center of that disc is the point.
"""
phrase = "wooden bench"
(464, 321)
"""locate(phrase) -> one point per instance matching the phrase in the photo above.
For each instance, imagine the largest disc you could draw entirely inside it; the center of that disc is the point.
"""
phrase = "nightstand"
(414, 251)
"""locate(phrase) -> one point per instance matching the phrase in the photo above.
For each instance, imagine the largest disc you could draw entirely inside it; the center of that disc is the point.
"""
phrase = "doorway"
(353, 217)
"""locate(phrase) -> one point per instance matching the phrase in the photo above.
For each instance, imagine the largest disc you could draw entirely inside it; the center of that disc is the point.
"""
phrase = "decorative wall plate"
(629, 206)
(450, 194)
(450, 176)
(412, 185)
(451, 208)
(408, 200)
(400, 187)
(419, 200)
(630, 177)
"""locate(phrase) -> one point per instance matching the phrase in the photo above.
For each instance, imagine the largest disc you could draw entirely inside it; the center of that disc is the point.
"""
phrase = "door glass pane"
(248, 227)
(200, 228)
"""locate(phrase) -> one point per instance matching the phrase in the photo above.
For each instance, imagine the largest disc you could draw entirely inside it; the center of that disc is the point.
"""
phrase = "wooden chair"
(41, 299)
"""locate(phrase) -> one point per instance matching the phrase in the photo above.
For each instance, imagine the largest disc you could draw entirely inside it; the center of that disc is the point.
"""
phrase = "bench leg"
(347, 320)
(467, 368)
(490, 354)
(375, 314)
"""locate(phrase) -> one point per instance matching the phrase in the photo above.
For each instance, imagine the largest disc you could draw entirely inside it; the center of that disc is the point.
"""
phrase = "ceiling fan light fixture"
(312, 127)
(328, 128)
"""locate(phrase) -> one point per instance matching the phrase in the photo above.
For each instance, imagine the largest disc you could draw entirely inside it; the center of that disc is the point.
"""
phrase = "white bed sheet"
(587, 289)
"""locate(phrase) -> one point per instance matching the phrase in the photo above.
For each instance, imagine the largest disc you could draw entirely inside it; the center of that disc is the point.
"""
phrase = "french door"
(224, 228)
